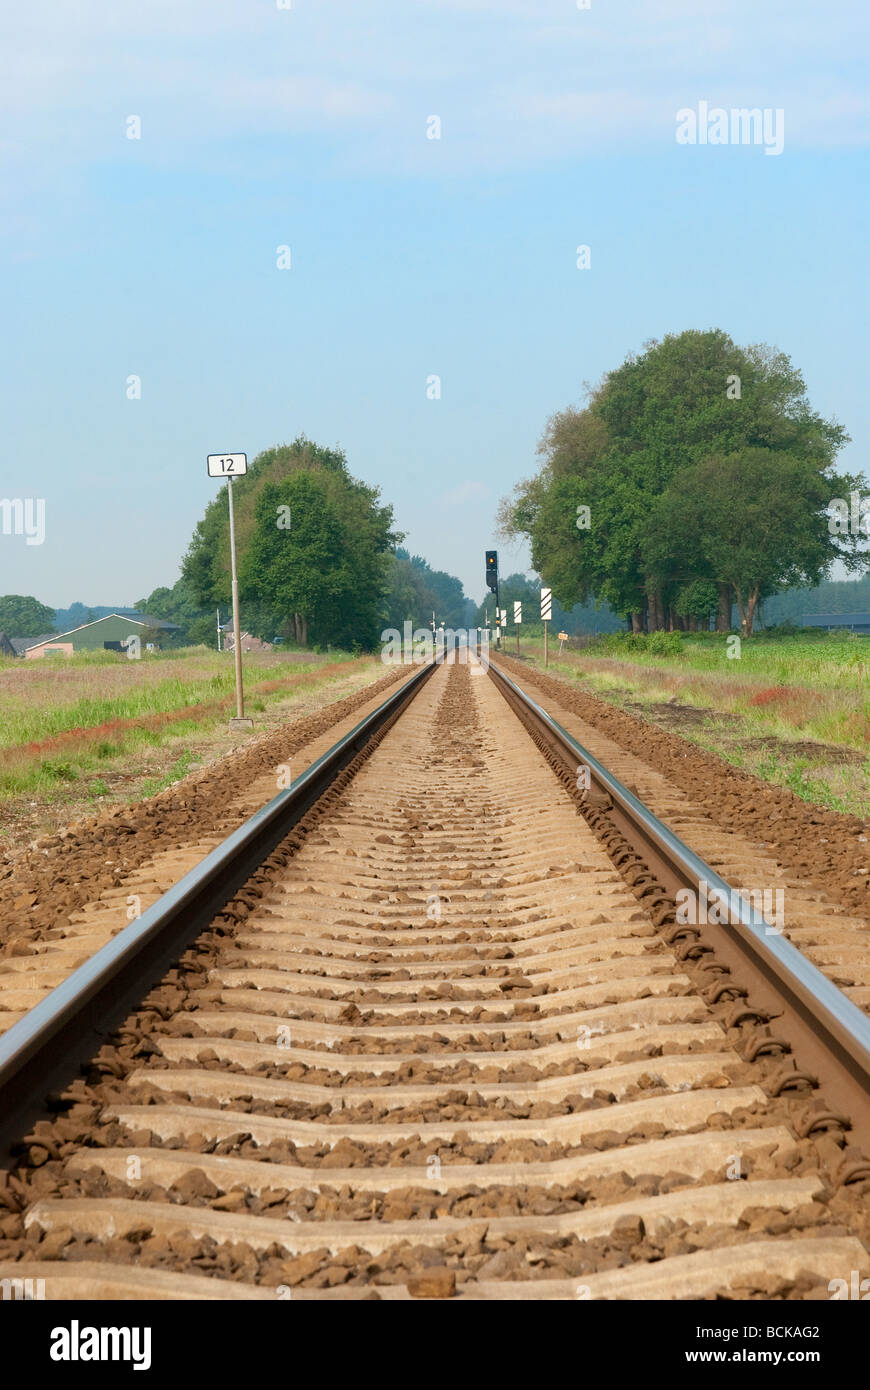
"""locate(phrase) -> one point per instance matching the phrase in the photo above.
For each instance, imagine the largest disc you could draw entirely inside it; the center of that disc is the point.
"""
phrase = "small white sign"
(518, 612)
(227, 465)
(546, 604)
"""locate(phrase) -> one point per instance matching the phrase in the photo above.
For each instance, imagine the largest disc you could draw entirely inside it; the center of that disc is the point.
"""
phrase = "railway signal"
(546, 614)
(232, 466)
(492, 582)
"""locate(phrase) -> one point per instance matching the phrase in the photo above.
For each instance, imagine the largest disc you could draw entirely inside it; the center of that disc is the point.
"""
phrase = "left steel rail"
(68, 1025)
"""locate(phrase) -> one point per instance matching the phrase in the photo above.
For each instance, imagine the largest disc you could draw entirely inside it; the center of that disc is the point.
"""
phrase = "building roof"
(21, 644)
(148, 621)
(141, 621)
(836, 620)
(6, 646)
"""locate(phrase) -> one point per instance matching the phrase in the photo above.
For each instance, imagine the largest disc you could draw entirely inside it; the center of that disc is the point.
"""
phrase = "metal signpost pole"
(237, 639)
(231, 466)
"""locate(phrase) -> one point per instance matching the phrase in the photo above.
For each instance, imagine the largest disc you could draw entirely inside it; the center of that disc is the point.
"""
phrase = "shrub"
(666, 643)
(656, 643)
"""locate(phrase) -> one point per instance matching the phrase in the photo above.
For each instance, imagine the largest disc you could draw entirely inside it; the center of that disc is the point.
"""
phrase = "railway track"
(428, 1027)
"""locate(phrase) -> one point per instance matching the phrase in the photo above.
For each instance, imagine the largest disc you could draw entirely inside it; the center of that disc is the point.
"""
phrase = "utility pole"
(231, 466)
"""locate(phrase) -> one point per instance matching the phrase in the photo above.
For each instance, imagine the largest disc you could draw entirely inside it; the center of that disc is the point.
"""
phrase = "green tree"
(831, 596)
(406, 597)
(690, 397)
(24, 616)
(202, 632)
(316, 548)
(179, 606)
(759, 519)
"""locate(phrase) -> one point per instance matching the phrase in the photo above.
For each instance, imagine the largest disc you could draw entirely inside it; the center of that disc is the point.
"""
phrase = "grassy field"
(795, 709)
(77, 731)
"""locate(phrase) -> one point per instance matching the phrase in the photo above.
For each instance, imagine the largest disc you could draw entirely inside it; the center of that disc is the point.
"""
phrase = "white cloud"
(516, 82)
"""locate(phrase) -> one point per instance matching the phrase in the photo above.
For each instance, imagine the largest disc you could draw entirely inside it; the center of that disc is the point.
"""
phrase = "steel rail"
(828, 1027)
(68, 1023)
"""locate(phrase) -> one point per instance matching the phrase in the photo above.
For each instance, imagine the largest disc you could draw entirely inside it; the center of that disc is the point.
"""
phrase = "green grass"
(39, 701)
(807, 694)
(26, 725)
(179, 769)
(823, 662)
(32, 709)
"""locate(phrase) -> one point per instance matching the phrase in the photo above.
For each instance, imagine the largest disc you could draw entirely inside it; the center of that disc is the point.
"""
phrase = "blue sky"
(263, 127)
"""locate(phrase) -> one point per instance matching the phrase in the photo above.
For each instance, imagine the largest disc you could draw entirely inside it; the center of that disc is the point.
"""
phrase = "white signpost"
(546, 614)
(231, 466)
(227, 465)
(518, 618)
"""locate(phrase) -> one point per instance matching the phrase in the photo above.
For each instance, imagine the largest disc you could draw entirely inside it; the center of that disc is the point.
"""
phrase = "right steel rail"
(828, 1035)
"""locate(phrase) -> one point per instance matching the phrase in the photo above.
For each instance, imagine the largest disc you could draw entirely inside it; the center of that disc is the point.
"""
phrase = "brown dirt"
(824, 847)
(69, 869)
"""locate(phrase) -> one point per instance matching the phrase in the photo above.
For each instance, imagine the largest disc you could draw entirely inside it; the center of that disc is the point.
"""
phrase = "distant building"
(249, 642)
(853, 622)
(103, 634)
(20, 644)
(6, 647)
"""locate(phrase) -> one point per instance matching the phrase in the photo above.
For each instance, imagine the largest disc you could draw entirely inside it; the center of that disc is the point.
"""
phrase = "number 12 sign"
(227, 465)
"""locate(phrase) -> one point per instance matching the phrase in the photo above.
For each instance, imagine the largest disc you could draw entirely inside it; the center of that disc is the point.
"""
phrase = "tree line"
(696, 476)
(581, 618)
(320, 563)
(319, 555)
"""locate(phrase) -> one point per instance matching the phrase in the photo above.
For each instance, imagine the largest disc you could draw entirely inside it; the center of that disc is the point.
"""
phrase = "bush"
(656, 643)
(666, 643)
